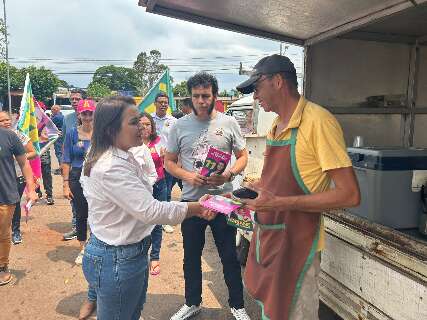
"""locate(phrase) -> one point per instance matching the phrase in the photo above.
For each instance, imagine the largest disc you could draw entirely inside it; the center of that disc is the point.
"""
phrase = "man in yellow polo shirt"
(305, 152)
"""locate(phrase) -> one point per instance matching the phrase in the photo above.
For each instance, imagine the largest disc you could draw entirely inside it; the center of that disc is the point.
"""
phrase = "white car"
(65, 109)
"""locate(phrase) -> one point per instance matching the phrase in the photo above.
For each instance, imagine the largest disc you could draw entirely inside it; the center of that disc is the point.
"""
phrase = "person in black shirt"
(10, 148)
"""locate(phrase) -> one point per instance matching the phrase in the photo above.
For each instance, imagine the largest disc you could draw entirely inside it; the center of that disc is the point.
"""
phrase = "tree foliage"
(63, 83)
(43, 81)
(13, 78)
(180, 89)
(97, 90)
(230, 93)
(148, 70)
(116, 78)
(2, 39)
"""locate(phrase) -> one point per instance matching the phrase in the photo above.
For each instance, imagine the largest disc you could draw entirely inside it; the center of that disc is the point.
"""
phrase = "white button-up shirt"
(163, 126)
(142, 155)
(122, 209)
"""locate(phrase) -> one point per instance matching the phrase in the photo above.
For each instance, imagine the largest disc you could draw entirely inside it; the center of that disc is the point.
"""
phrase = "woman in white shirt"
(122, 212)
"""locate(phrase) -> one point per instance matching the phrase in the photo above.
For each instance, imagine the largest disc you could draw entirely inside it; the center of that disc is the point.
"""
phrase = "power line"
(133, 60)
(60, 72)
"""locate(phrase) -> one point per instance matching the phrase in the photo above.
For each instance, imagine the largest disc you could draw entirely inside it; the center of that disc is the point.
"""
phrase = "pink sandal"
(155, 270)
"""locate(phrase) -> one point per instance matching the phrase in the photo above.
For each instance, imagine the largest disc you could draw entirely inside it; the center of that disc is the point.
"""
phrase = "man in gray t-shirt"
(189, 141)
(191, 138)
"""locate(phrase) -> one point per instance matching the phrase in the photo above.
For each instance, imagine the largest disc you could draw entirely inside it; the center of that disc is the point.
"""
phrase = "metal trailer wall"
(341, 73)
(420, 136)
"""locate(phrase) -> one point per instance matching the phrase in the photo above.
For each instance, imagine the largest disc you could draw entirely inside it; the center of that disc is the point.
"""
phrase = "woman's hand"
(206, 214)
(195, 209)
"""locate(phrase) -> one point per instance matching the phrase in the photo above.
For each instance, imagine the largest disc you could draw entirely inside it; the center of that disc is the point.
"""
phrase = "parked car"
(65, 109)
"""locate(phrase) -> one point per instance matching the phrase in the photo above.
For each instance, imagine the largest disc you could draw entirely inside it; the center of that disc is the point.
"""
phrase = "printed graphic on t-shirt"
(200, 151)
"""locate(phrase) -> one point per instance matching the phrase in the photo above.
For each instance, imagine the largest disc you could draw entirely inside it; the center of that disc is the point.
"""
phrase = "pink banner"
(36, 167)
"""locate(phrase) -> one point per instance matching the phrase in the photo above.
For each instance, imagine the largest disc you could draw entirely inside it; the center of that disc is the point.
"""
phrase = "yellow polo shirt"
(320, 147)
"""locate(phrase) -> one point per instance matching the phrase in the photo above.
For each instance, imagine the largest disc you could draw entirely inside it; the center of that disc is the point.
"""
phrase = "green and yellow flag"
(27, 122)
(162, 85)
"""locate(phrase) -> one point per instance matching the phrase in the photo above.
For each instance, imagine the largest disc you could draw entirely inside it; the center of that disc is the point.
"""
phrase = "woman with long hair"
(76, 146)
(122, 212)
(152, 141)
(6, 122)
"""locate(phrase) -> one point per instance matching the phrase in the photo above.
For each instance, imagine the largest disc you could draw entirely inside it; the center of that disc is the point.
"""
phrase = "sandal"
(155, 268)
(3, 276)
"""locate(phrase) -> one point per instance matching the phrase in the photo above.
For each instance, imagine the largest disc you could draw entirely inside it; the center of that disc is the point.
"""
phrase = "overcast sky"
(64, 31)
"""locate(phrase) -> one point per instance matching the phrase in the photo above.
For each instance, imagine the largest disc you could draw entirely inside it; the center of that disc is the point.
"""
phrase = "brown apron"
(284, 242)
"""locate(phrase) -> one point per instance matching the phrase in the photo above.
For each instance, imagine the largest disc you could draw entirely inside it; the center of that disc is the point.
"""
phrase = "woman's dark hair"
(153, 134)
(204, 80)
(107, 123)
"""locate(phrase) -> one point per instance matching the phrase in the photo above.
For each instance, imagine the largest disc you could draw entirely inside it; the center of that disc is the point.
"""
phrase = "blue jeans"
(74, 211)
(159, 193)
(169, 184)
(58, 149)
(16, 220)
(119, 276)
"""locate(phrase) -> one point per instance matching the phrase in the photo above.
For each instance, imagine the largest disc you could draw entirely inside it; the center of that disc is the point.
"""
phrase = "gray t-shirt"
(191, 138)
(10, 147)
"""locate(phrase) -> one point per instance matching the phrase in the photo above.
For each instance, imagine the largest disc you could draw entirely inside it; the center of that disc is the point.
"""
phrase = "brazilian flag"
(162, 85)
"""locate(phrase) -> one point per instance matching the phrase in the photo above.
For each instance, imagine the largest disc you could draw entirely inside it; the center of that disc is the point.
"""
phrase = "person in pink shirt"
(152, 141)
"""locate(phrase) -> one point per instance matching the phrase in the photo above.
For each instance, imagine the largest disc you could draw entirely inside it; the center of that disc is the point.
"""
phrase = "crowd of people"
(110, 145)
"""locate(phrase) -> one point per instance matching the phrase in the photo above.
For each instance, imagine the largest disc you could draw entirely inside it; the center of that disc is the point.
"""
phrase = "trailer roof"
(305, 22)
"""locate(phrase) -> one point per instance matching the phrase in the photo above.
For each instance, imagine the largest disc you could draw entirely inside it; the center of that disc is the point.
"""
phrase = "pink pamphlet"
(221, 204)
(215, 163)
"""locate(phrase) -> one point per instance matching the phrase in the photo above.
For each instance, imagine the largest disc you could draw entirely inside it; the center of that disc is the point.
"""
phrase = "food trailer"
(366, 62)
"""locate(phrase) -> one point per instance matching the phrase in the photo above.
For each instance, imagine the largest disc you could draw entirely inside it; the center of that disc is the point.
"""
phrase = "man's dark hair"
(177, 114)
(80, 91)
(160, 95)
(291, 79)
(186, 102)
(204, 80)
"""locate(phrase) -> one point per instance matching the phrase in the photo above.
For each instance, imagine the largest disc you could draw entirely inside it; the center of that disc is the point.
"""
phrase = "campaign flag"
(27, 124)
(46, 124)
(27, 121)
(162, 85)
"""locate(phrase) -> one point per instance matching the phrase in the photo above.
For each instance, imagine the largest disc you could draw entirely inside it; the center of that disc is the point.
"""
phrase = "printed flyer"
(237, 216)
(215, 163)
(242, 218)
(221, 204)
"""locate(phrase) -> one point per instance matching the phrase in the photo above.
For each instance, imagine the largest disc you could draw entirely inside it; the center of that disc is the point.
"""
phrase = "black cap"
(267, 65)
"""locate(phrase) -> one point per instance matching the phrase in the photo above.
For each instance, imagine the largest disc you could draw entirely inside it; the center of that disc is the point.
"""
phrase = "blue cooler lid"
(389, 158)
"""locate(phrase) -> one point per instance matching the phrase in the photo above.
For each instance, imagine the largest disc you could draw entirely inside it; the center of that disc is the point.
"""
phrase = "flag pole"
(7, 58)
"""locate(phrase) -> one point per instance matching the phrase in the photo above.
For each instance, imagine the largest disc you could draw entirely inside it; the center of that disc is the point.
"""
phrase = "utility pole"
(280, 48)
(7, 57)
